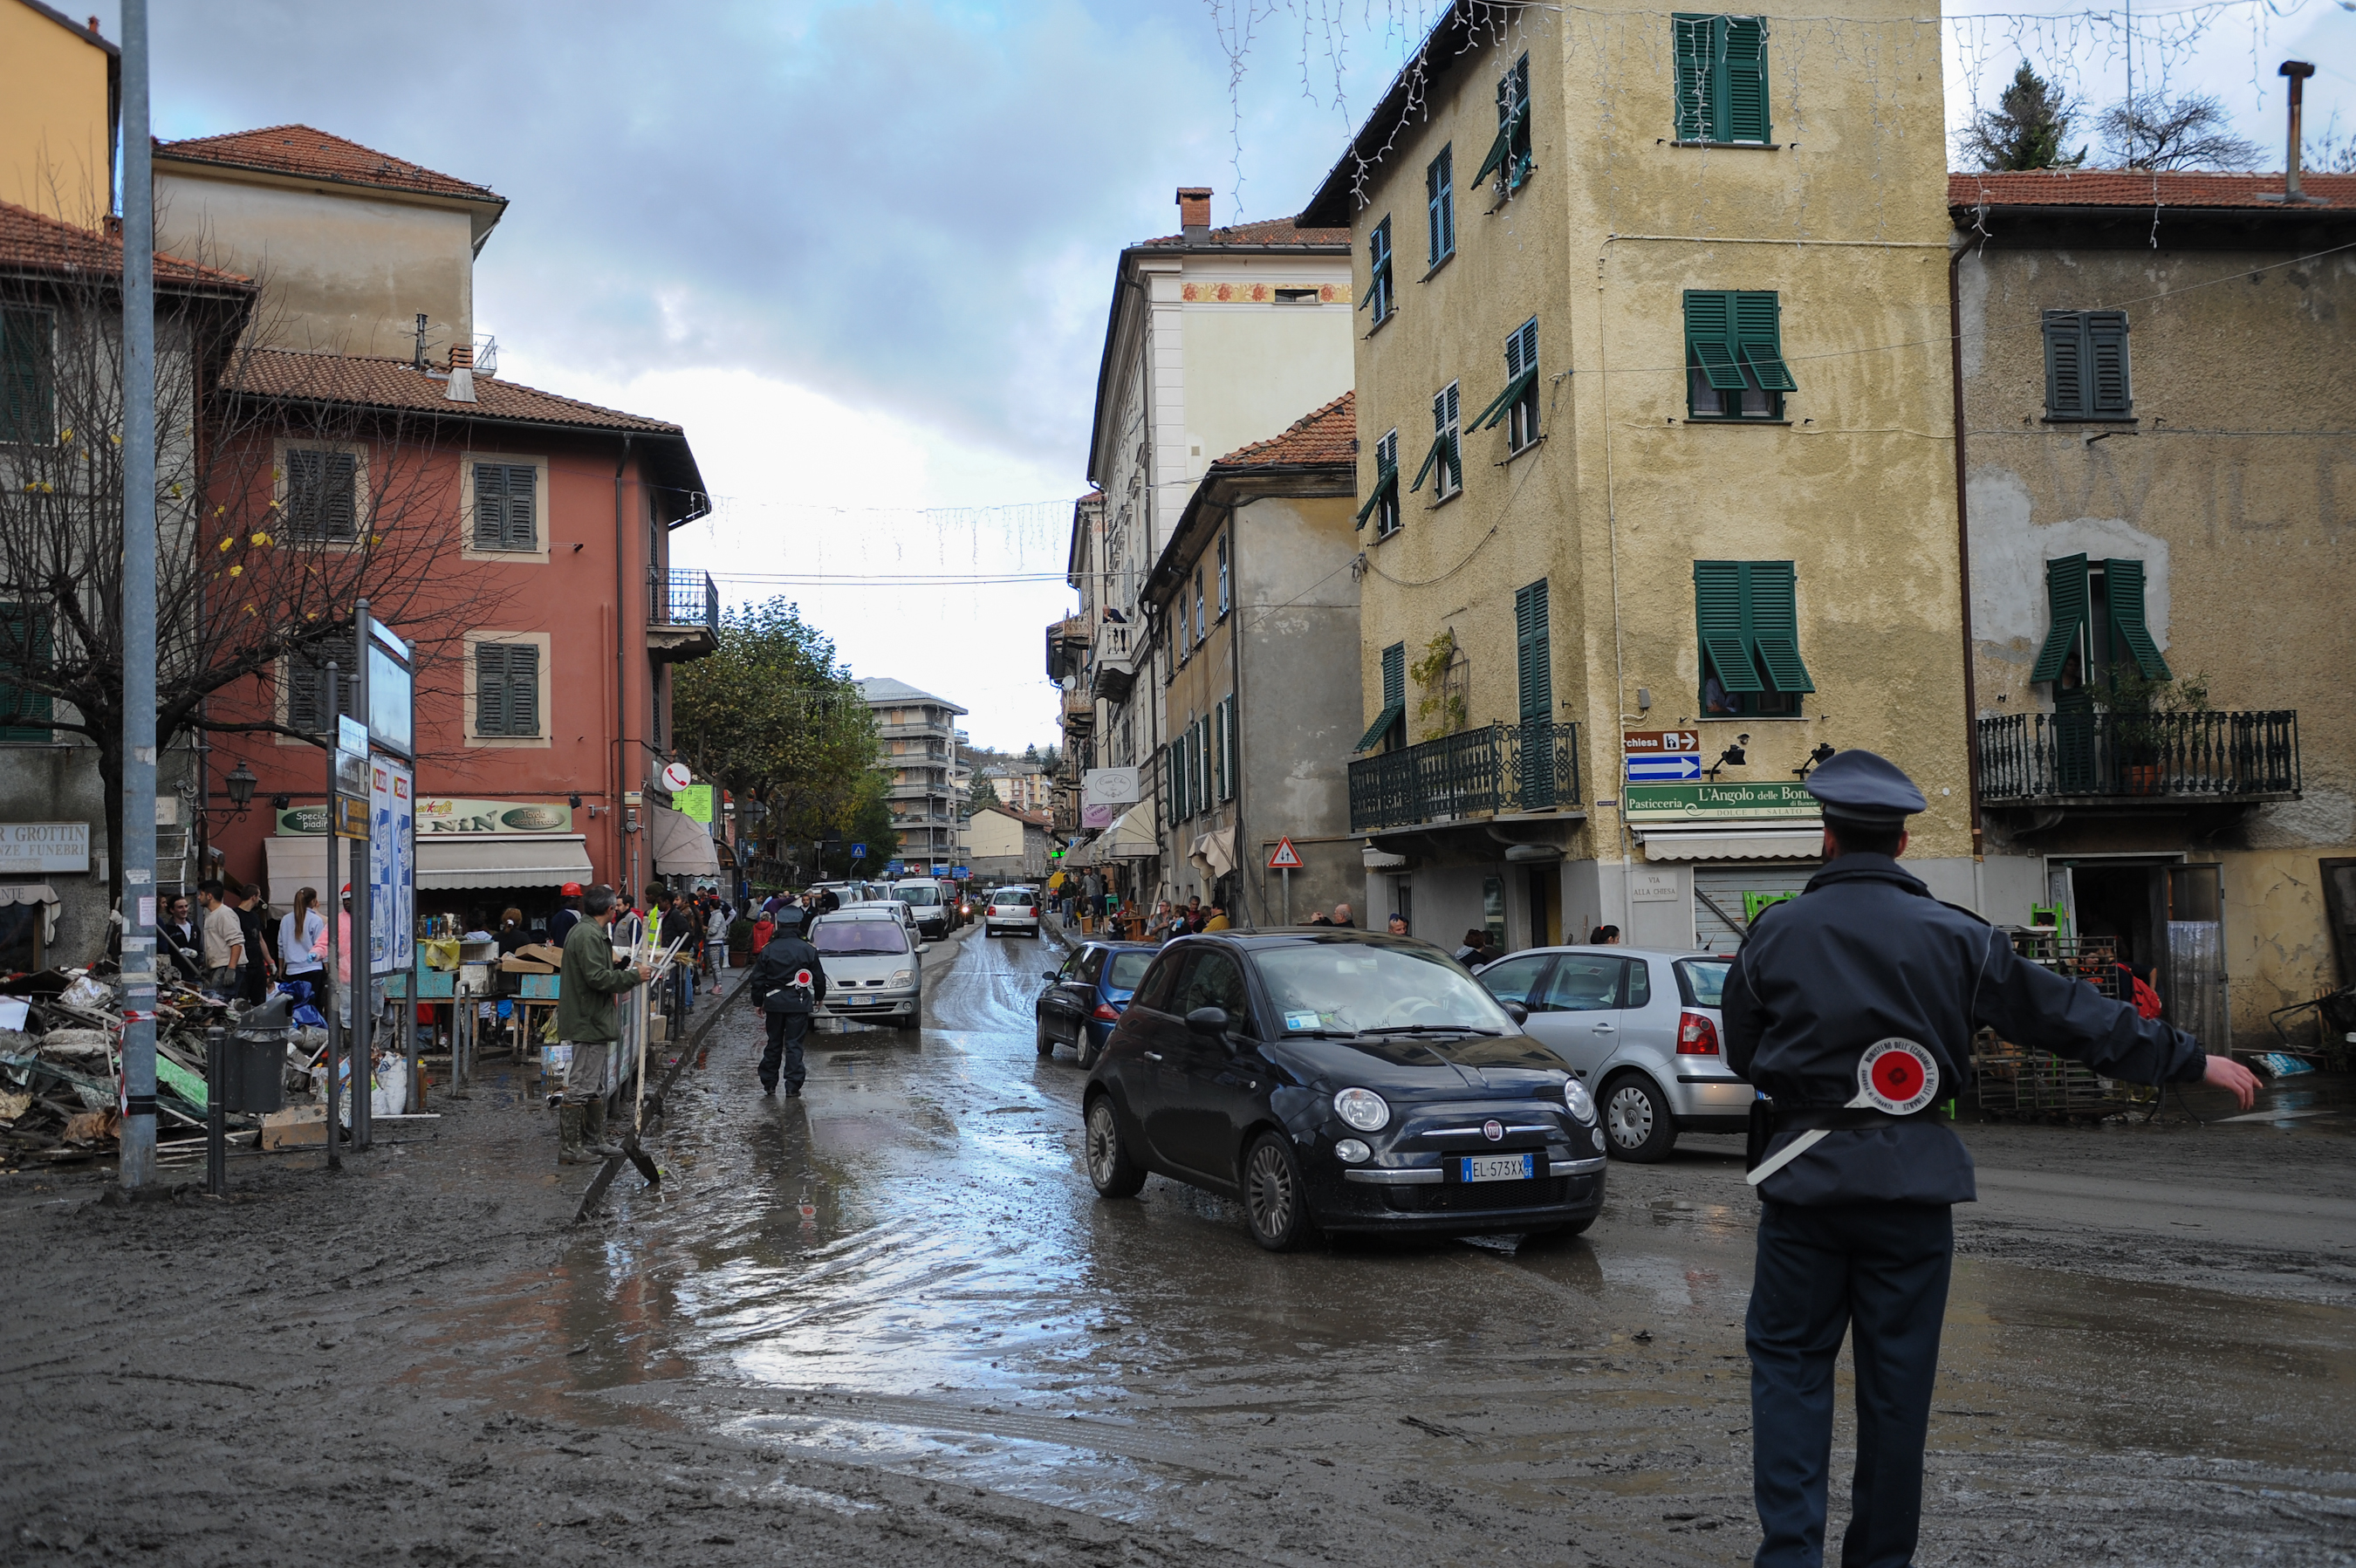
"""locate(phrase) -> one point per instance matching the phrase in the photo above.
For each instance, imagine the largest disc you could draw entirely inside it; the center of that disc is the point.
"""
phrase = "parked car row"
(1339, 1081)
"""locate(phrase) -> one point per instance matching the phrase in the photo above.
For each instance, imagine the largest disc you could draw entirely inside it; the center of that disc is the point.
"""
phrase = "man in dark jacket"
(567, 915)
(788, 982)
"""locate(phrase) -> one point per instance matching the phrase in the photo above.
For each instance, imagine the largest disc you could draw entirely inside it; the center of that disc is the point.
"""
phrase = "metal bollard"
(215, 1112)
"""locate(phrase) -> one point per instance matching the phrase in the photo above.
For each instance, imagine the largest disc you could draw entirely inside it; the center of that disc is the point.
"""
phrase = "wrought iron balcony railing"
(683, 598)
(2156, 756)
(1500, 769)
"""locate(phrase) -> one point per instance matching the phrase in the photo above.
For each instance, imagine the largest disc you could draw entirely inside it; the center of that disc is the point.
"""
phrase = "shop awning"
(296, 861)
(504, 860)
(681, 846)
(1131, 837)
(1733, 844)
(35, 893)
(1214, 853)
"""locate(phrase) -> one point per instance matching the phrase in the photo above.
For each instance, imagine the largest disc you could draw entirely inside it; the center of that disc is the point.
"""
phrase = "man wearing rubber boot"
(787, 983)
(1852, 1008)
(587, 1020)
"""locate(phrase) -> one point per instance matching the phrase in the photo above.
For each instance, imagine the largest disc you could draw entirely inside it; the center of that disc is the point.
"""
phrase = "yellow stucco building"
(1656, 458)
(59, 115)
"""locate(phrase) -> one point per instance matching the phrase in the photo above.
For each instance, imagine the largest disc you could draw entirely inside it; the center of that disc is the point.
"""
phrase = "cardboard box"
(516, 964)
(294, 1127)
(551, 956)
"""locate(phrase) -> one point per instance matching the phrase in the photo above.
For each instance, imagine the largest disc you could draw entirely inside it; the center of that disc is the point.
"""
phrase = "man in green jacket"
(587, 1020)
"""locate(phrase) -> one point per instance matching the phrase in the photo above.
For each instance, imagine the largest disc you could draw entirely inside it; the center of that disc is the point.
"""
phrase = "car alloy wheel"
(1275, 1205)
(1114, 1173)
(1637, 1123)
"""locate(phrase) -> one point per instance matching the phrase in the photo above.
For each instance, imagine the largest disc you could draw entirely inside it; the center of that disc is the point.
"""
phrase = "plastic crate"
(538, 987)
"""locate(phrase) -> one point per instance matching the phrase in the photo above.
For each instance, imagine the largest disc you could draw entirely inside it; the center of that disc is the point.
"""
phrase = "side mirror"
(1517, 1013)
(1210, 1020)
(1051, 976)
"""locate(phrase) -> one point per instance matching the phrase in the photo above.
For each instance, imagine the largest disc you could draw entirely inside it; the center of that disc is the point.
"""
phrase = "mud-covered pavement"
(892, 1323)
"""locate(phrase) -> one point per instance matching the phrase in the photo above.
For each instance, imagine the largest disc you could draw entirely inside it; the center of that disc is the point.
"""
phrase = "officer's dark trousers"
(786, 1032)
(1881, 1271)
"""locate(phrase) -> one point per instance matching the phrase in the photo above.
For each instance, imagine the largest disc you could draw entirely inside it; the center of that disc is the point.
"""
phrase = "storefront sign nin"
(44, 846)
(443, 814)
(1708, 802)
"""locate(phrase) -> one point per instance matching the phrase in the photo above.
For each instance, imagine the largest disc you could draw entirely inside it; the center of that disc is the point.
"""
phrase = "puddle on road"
(908, 1268)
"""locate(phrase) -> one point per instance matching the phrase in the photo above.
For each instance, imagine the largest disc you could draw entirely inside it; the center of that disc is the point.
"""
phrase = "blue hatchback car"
(1086, 997)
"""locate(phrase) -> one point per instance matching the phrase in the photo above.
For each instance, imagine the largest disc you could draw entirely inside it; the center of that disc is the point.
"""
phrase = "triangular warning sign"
(1286, 857)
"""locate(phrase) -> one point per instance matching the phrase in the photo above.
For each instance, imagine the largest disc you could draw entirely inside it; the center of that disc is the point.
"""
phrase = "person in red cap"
(567, 915)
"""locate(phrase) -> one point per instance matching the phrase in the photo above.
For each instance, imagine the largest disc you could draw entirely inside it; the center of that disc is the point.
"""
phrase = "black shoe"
(767, 1089)
(795, 1092)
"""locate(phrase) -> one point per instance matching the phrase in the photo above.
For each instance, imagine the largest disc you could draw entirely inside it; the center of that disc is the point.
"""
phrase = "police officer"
(788, 982)
(1867, 971)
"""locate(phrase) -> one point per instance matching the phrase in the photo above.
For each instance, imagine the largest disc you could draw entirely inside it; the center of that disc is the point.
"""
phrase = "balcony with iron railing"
(1499, 770)
(682, 615)
(1112, 665)
(2130, 760)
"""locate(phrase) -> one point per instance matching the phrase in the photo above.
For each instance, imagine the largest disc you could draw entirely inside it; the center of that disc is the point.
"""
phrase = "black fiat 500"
(1340, 1081)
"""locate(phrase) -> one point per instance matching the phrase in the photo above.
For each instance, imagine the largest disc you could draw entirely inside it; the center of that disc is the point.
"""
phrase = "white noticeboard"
(44, 846)
(1103, 792)
(392, 866)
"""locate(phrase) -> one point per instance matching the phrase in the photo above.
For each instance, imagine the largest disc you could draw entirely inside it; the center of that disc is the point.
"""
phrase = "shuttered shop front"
(1725, 898)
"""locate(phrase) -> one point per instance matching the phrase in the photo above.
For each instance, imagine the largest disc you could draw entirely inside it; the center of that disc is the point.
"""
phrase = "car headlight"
(1582, 1103)
(904, 977)
(1362, 1108)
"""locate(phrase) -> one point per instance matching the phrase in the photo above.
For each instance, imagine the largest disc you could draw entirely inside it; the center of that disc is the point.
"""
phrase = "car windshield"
(1351, 989)
(1127, 969)
(856, 939)
(925, 898)
(1704, 980)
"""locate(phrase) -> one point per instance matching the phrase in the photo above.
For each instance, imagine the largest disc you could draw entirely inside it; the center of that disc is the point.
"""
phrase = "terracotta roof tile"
(371, 382)
(39, 243)
(1267, 231)
(302, 151)
(2128, 187)
(1328, 436)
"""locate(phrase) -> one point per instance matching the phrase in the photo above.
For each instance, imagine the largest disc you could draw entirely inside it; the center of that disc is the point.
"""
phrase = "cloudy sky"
(863, 250)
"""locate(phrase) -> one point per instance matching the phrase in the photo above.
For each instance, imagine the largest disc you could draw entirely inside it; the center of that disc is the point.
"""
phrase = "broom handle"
(638, 1099)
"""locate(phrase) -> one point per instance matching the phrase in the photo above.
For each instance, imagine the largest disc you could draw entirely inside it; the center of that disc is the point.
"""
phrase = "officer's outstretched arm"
(1739, 1008)
(2030, 1005)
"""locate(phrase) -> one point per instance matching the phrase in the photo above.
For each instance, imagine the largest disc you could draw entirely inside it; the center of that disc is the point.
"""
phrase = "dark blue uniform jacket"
(1866, 954)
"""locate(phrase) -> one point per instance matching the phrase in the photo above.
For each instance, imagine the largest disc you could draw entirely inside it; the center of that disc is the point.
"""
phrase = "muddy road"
(893, 1319)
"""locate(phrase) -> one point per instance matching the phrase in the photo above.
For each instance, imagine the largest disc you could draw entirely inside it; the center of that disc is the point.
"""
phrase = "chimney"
(2298, 70)
(462, 373)
(1194, 214)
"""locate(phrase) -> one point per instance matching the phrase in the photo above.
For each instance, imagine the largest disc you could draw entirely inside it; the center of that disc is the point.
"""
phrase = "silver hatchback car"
(1642, 1029)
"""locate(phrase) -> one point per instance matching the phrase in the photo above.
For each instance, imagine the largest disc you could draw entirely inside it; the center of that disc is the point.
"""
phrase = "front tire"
(1110, 1169)
(1636, 1122)
(1276, 1201)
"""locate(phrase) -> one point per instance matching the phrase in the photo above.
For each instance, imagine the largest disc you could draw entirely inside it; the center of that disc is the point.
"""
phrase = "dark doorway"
(2127, 904)
(1545, 885)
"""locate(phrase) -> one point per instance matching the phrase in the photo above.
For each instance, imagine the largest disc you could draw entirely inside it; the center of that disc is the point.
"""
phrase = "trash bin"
(253, 1068)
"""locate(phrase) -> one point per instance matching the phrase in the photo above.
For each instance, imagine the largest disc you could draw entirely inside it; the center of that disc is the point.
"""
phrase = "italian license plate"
(1498, 1167)
(861, 1000)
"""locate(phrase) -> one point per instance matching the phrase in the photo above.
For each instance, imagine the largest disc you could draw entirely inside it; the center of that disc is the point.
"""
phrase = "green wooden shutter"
(1394, 698)
(1775, 624)
(1534, 653)
(2067, 597)
(490, 505)
(1743, 71)
(1722, 609)
(2123, 585)
(1439, 194)
(303, 694)
(2065, 365)
(1759, 337)
(305, 492)
(338, 501)
(490, 688)
(1452, 434)
(523, 689)
(25, 415)
(1235, 784)
(520, 521)
(1521, 370)
(24, 645)
(1710, 336)
(1693, 34)
(2106, 337)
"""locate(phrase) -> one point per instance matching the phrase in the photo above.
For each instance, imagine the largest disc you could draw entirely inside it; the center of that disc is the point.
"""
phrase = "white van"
(932, 902)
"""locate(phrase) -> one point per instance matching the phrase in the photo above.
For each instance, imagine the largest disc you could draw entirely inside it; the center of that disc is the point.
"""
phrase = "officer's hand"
(2225, 1073)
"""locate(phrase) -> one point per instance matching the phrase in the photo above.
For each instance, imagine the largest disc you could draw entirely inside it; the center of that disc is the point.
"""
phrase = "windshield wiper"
(1427, 1029)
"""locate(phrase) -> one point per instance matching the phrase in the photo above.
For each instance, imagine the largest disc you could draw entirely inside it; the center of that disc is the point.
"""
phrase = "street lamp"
(240, 786)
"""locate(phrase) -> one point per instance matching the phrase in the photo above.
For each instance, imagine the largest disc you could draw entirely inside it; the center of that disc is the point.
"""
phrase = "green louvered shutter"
(520, 521)
(1759, 337)
(2065, 365)
(338, 502)
(1533, 652)
(24, 645)
(1710, 336)
(2122, 587)
(523, 689)
(1743, 71)
(2107, 364)
(1693, 34)
(26, 392)
(2066, 595)
(490, 506)
(1394, 698)
(1720, 610)
(490, 688)
(1775, 624)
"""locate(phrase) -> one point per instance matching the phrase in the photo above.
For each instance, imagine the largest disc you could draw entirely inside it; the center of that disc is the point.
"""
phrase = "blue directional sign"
(893, 868)
(1662, 769)
(941, 870)
(959, 873)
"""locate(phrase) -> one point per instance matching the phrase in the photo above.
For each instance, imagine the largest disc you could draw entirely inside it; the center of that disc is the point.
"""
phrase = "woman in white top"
(297, 933)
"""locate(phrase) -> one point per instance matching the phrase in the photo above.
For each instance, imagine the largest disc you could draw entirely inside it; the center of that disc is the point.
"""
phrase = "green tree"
(979, 793)
(774, 716)
(2025, 129)
(867, 822)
